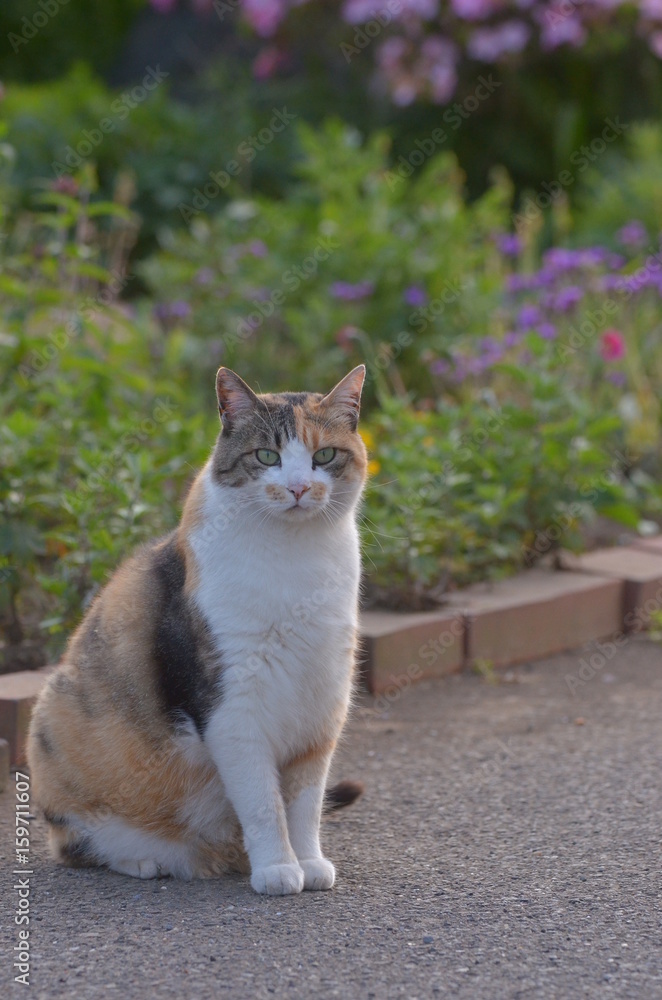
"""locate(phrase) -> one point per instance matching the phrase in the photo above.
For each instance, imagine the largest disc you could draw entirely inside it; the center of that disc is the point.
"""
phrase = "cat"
(190, 725)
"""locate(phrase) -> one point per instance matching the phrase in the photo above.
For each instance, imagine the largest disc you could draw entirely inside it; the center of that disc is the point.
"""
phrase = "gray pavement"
(507, 846)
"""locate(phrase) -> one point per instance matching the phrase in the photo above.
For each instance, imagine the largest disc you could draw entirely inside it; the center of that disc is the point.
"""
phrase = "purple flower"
(168, 313)
(547, 331)
(567, 298)
(348, 292)
(617, 378)
(205, 276)
(258, 248)
(439, 367)
(472, 10)
(488, 44)
(180, 309)
(529, 317)
(264, 16)
(509, 244)
(520, 282)
(560, 28)
(560, 259)
(545, 278)
(492, 349)
(414, 295)
(512, 339)
(633, 234)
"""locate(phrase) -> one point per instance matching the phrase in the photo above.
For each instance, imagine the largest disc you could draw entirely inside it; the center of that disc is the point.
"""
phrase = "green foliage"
(296, 291)
(43, 46)
(622, 187)
(163, 150)
(97, 441)
(478, 489)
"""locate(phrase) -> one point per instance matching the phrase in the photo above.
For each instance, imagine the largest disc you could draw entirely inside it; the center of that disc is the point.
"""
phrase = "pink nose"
(298, 490)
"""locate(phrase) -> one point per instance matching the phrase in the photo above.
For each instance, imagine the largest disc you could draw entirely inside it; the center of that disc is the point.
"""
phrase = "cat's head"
(291, 455)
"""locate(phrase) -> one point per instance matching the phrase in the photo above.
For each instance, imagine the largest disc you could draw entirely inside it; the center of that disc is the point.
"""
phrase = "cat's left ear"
(345, 398)
(234, 396)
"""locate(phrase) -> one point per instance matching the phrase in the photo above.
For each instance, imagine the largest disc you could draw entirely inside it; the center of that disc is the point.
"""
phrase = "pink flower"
(612, 345)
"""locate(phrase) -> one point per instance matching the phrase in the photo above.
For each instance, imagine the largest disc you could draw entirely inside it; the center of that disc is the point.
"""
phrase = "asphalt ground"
(507, 846)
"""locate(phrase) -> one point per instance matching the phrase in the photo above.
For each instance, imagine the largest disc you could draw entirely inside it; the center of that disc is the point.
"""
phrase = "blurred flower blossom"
(633, 234)
(205, 276)
(528, 317)
(346, 336)
(169, 313)
(349, 292)
(66, 185)
(567, 298)
(258, 248)
(612, 345)
(414, 295)
(489, 44)
(509, 244)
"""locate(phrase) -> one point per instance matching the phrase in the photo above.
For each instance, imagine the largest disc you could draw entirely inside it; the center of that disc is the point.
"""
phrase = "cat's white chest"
(282, 610)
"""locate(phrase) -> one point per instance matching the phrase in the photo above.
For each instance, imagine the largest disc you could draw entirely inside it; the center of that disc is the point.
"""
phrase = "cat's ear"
(234, 396)
(345, 398)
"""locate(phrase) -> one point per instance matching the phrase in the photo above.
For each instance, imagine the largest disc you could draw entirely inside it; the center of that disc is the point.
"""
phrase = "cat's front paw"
(318, 873)
(278, 880)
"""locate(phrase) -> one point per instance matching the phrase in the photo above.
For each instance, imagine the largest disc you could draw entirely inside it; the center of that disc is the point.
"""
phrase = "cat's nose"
(298, 490)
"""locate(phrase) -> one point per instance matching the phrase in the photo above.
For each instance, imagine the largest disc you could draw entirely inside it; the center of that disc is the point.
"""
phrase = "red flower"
(612, 345)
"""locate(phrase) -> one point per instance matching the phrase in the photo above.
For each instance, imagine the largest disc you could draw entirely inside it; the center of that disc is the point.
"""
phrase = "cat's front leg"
(250, 776)
(304, 781)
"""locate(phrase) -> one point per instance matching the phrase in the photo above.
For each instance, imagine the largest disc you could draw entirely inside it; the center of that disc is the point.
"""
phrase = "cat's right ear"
(234, 396)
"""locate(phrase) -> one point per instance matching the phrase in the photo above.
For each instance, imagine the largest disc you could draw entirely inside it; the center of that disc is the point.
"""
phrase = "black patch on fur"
(180, 639)
(53, 819)
(342, 795)
(44, 742)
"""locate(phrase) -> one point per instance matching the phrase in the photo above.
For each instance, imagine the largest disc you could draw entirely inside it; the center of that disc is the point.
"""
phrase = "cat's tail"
(341, 795)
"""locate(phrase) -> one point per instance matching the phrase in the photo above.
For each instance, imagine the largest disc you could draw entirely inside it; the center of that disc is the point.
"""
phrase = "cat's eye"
(267, 457)
(324, 456)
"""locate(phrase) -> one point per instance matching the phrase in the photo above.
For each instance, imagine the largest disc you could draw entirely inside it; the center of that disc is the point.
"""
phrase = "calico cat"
(190, 725)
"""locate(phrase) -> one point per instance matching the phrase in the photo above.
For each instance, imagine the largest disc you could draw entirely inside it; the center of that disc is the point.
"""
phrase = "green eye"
(324, 456)
(267, 457)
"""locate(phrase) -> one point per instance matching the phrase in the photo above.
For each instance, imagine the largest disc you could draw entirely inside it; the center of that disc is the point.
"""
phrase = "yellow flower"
(373, 467)
(368, 438)
(428, 441)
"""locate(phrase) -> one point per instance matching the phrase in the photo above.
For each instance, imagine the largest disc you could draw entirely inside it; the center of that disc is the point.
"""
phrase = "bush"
(96, 438)
(357, 265)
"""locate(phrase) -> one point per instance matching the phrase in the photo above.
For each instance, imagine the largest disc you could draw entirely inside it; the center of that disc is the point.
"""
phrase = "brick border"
(600, 594)
(527, 617)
